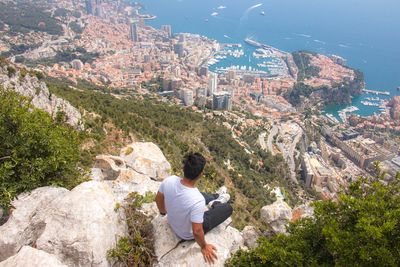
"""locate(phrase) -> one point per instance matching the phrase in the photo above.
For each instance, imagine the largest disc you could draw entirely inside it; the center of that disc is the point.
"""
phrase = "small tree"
(362, 228)
(34, 150)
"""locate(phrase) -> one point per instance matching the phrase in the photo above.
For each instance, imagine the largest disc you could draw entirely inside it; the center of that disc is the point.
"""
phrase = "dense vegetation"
(306, 70)
(178, 131)
(361, 229)
(299, 90)
(34, 150)
(23, 17)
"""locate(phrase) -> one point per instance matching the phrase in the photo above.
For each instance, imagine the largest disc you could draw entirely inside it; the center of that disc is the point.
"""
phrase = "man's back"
(184, 206)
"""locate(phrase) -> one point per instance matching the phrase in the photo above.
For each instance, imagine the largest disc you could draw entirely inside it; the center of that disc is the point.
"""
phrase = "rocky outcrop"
(170, 252)
(110, 166)
(147, 159)
(27, 221)
(77, 227)
(82, 226)
(55, 227)
(31, 87)
(277, 215)
(32, 257)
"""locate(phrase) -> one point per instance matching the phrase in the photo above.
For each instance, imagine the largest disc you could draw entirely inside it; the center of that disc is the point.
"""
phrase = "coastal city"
(221, 133)
(115, 47)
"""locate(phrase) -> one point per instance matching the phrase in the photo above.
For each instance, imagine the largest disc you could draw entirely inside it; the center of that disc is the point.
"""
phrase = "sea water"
(365, 32)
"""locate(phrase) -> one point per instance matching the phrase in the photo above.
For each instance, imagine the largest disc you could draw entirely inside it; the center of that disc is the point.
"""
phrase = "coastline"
(289, 41)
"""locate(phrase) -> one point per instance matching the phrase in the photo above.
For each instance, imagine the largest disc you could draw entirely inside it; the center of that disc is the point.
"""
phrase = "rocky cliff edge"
(53, 226)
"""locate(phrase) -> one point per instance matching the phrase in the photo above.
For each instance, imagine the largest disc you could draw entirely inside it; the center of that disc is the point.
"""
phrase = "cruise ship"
(252, 42)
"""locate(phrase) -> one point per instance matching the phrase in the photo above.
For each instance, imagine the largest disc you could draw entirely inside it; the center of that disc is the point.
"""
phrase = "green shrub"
(34, 150)
(136, 249)
(361, 229)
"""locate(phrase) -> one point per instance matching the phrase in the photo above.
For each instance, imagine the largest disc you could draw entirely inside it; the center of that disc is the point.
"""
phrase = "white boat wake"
(246, 13)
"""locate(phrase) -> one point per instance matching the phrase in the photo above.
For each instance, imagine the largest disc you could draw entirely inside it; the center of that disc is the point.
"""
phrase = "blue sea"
(365, 32)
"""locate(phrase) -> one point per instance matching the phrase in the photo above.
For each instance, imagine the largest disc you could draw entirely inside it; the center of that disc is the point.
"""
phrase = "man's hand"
(161, 203)
(208, 250)
(209, 253)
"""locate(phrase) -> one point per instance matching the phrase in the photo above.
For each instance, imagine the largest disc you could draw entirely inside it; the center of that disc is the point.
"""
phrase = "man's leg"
(217, 215)
(209, 197)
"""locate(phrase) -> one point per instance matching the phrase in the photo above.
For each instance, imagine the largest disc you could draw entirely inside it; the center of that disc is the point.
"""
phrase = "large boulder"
(32, 257)
(170, 252)
(26, 222)
(131, 181)
(110, 166)
(277, 215)
(83, 225)
(147, 159)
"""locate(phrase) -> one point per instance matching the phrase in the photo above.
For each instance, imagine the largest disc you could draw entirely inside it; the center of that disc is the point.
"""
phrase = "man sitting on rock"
(191, 214)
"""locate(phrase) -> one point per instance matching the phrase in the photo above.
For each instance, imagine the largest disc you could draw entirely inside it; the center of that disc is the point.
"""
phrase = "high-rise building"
(89, 7)
(222, 101)
(187, 97)
(176, 71)
(167, 29)
(99, 11)
(179, 49)
(231, 75)
(212, 83)
(182, 38)
(201, 92)
(134, 34)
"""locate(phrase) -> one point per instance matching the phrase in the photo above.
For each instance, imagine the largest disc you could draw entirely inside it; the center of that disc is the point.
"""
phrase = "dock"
(375, 92)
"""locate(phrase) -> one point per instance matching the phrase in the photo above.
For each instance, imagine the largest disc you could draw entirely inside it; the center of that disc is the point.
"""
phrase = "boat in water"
(262, 13)
(252, 42)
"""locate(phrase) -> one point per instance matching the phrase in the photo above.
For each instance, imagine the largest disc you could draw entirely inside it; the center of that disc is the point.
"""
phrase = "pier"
(375, 92)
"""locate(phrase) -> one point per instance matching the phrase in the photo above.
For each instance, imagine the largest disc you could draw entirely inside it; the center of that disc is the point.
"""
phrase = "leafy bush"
(137, 248)
(361, 229)
(34, 150)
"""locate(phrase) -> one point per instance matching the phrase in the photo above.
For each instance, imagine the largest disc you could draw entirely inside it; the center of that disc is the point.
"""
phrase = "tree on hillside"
(362, 228)
(34, 150)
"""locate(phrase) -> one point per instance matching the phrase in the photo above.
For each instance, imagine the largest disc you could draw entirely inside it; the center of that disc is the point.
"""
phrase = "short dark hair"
(193, 165)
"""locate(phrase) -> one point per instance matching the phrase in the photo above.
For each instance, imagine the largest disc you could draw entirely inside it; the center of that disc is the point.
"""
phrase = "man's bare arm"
(160, 203)
(207, 250)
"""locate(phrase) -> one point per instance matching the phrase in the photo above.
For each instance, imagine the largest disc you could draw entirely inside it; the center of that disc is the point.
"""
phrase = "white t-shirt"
(184, 205)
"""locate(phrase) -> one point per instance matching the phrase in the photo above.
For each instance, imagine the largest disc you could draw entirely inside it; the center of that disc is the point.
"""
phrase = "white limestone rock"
(26, 222)
(32, 257)
(31, 87)
(277, 215)
(150, 210)
(83, 225)
(250, 236)
(130, 181)
(170, 252)
(110, 166)
(147, 159)
(165, 239)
